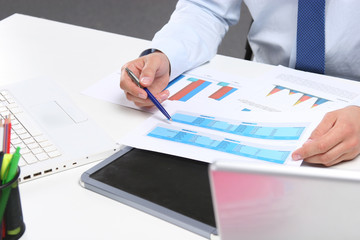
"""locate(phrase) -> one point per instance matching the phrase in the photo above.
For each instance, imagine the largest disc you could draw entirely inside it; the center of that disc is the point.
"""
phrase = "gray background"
(136, 18)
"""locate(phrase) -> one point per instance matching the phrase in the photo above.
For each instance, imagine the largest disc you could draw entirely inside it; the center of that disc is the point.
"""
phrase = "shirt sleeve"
(194, 32)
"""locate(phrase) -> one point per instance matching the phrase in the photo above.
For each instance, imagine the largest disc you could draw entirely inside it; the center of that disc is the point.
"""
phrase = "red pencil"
(7, 134)
(2, 227)
(2, 134)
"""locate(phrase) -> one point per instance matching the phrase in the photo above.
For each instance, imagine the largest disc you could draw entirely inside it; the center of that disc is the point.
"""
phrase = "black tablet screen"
(179, 184)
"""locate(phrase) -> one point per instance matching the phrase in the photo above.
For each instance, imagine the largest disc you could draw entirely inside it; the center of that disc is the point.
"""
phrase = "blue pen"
(152, 98)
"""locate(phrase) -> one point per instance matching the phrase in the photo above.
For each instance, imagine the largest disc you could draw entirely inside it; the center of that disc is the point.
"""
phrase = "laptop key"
(28, 125)
(29, 158)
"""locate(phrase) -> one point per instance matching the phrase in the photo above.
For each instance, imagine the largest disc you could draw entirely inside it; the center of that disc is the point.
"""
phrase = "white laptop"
(282, 202)
(53, 134)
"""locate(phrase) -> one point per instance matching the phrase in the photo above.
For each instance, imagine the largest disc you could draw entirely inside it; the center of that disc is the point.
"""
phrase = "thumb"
(147, 75)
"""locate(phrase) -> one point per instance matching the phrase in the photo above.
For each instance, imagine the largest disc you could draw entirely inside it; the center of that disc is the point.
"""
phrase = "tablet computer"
(172, 188)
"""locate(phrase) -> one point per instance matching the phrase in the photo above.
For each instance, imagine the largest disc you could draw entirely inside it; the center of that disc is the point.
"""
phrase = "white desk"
(56, 206)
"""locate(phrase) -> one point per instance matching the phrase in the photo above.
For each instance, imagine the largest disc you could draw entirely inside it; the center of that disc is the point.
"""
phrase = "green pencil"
(13, 166)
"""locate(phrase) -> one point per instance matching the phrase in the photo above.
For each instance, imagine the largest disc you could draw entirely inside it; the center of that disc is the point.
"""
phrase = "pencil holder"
(12, 223)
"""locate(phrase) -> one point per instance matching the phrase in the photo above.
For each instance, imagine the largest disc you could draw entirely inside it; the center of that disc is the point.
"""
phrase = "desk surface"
(56, 206)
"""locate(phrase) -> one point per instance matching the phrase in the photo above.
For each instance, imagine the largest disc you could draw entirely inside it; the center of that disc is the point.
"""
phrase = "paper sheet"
(206, 96)
(285, 89)
(208, 134)
(197, 86)
(282, 89)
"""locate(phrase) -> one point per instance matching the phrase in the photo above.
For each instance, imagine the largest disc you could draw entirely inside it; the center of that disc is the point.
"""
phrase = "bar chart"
(218, 143)
(239, 128)
(222, 92)
(195, 88)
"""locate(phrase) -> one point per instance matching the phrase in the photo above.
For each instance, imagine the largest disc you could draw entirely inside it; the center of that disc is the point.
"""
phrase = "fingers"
(336, 139)
(156, 72)
(153, 72)
(319, 145)
(324, 126)
(332, 157)
(161, 97)
(148, 72)
(129, 86)
(314, 146)
(346, 149)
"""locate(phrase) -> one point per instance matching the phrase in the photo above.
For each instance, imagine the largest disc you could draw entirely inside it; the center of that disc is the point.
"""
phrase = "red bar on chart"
(219, 94)
(186, 90)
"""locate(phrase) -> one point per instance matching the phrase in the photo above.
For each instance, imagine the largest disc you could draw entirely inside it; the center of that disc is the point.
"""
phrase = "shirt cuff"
(178, 61)
(147, 52)
(152, 50)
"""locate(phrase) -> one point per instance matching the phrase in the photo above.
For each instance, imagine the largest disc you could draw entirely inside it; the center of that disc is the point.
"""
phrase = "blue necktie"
(310, 48)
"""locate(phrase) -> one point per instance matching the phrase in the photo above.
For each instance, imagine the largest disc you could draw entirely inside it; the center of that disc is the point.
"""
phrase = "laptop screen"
(279, 202)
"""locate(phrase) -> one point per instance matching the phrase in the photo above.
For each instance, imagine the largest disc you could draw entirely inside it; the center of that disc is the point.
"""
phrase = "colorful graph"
(196, 86)
(219, 144)
(302, 99)
(190, 90)
(224, 91)
(247, 129)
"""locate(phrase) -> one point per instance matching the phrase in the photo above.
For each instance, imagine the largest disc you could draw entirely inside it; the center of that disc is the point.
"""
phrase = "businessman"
(309, 35)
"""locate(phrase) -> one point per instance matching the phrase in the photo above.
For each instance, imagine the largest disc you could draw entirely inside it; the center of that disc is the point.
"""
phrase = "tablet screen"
(179, 184)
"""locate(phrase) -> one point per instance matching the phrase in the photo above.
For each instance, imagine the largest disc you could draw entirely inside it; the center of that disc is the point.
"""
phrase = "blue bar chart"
(218, 143)
(246, 129)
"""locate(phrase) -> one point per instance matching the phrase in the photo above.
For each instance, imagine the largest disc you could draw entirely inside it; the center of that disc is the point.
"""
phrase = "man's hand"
(335, 139)
(153, 73)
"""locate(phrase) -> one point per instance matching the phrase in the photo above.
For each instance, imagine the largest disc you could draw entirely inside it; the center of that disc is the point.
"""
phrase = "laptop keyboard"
(34, 145)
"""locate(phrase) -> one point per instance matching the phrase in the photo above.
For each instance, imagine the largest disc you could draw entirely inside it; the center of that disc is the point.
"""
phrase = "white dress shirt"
(196, 28)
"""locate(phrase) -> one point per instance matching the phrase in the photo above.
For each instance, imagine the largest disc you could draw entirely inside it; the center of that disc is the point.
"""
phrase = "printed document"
(209, 134)
(282, 89)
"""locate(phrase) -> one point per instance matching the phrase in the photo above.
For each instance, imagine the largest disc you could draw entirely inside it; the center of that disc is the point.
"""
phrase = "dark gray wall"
(136, 18)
